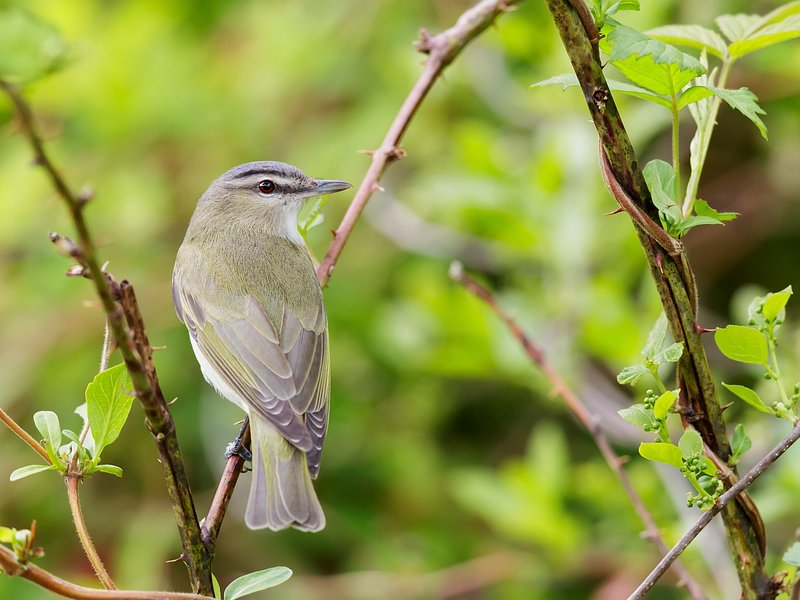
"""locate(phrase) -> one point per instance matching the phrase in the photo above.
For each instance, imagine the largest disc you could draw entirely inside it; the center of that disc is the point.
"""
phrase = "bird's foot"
(236, 448)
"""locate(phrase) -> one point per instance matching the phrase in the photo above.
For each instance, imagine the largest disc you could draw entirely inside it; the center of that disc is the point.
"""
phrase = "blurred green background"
(450, 471)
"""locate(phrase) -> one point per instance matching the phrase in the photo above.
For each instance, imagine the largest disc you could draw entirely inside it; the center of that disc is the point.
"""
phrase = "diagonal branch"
(136, 357)
(583, 414)
(441, 49)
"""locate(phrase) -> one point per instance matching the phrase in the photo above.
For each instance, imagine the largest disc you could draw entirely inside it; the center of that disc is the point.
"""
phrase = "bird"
(245, 287)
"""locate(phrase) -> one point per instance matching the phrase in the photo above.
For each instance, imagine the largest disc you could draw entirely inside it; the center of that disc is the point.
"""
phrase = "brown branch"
(73, 480)
(441, 49)
(24, 435)
(674, 281)
(137, 357)
(583, 414)
(724, 499)
(11, 566)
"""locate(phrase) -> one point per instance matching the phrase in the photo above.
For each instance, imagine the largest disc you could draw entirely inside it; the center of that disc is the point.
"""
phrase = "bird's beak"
(328, 186)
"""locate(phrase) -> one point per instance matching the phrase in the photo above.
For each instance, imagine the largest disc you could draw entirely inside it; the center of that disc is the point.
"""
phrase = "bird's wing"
(279, 370)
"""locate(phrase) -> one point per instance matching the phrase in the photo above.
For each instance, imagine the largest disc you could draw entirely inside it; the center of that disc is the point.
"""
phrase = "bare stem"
(441, 49)
(11, 566)
(72, 481)
(583, 414)
(24, 435)
(704, 520)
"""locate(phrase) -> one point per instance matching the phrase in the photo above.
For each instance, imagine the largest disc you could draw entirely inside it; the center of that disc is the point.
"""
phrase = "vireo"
(244, 285)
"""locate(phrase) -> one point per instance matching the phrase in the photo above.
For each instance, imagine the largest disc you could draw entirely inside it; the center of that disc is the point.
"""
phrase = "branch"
(24, 435)
(135, 354)
(723, 500)
(11, 566)
(583, 414)
(441, 49)
(674, 281)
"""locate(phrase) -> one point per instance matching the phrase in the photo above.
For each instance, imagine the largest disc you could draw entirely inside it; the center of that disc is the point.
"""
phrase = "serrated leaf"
(29, 47)
(637, 415)
(693, 36)
(631, 374)
(7, 535)
(110, 469)
(656, 338)
(691, 222)
(775, 303)
(749, 396)
(742, 344)
(108, 405)
(740, 443)
(770, 35)
(28, 471)
(626, 42)
(660, 179)
(255, 582)
(696, 93)
(670, 354)
(792, 555)
(736, 27)
(663, 403)
(663, 452)
(691, 444)
(702, 208)
(745, 102)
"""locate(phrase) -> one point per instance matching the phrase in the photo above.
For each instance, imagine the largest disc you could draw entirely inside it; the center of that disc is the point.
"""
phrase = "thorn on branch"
(377, 187)
(424, 44)
(66, 246)
(699, 329)
(394, 154)
(616, 211)
(369, 153)
(77, 271)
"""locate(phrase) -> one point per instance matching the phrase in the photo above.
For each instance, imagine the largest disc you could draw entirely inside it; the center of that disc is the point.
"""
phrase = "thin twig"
(704, 520)
(442, 49)
(157, 416)
(24, 435)
(583, 414)
(72, 481)
(11, 566)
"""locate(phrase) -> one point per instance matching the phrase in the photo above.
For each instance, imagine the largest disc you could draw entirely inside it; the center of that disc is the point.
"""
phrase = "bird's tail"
(281, 494)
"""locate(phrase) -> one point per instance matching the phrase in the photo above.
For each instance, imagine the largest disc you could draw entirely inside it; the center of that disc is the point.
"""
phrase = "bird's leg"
(237, 447)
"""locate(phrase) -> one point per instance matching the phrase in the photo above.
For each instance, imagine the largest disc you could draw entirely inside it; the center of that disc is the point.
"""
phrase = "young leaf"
(660, 179)
(691, 222)
(664, 402)
(775, 303)
(110, 469)
(631, 374)
(691, 444)
(770, 35)
(709, 468)
(46, 422)
(29, 470)
(696, 93)
(637, 415)
(662, 452)
(736, 27)
(108, 405)
(740, 443)
(670, 354)
(742, 344)
(792, 555)
(7, 535)
(568, 80)
(217, 589)
(702, 208)
(693, 36)
(749, 396)
(257, 581)
(656, 338)
(746, 103)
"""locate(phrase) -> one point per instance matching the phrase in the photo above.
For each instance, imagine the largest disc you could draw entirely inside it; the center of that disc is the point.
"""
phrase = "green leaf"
(656, 338)
(637, 415)
(749, 396)
(770, 35)
(691, 222)
(702, 208)
(108, 405)
(737, 27)
(664, 402)
(110, 469)
(742, 344)
(775, 303)
(568, 80)
(29, 470)
(29, 47)
(257, 581)
(746, 103)
(313, 216)
(46, 422)
(740, 443)
(660, 179)
(693, 36)
(631, 374)
(691, 444)
(626, 42)
(696, 93)
(670, 354)
(792, 555)
(7, 535)
(662, 452)
(780, 13)
(709, 468)
(217, 589)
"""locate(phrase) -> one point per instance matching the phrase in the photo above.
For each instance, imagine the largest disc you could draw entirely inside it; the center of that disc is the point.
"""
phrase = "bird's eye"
(266, 186)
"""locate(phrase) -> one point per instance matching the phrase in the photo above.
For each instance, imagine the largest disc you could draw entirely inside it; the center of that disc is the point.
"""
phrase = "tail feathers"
(281, 493)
